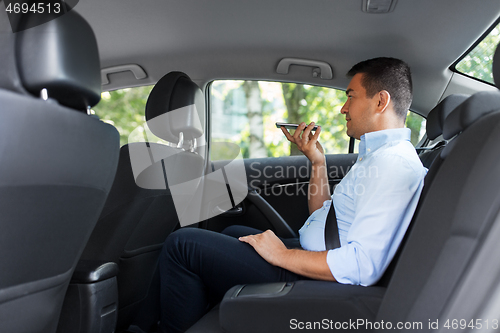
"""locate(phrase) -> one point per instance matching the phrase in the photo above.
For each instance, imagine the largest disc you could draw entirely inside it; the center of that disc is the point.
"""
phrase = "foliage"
(478, 63)
(124, 109)
(322, 105)
(416, 124)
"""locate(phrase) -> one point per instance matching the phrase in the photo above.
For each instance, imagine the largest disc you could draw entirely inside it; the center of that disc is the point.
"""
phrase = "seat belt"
(332, 240)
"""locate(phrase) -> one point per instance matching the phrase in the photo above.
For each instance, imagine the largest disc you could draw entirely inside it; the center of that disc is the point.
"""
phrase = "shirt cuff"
(341, 270)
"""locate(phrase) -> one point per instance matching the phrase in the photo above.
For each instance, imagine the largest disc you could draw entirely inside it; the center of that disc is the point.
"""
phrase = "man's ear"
(384, 99)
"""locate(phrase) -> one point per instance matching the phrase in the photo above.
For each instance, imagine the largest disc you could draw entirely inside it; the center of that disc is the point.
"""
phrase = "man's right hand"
(308, 143)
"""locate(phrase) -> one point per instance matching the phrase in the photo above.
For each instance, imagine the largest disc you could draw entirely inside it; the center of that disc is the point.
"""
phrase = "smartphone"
(292, 126)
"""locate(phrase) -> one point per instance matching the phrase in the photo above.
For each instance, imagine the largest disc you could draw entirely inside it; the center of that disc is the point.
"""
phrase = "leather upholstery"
(56, 169)
(140, 213)
(436, 117)
(173, 92)
(60, 56)
(469, 111)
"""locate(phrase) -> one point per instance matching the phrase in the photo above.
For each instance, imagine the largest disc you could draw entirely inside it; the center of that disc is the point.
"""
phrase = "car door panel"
(283, 182)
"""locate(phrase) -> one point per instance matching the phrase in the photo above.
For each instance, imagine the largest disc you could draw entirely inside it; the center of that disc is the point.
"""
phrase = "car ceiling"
(246, 39)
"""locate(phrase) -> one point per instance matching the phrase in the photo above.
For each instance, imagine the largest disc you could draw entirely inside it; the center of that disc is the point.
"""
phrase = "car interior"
(86, 208)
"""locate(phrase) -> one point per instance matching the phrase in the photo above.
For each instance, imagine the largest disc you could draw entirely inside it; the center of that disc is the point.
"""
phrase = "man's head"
(379, 95)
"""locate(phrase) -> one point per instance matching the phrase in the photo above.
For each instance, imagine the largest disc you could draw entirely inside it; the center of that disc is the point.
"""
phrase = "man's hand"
(307, 143)
(267, 245)
(305, 263)
(319, 190)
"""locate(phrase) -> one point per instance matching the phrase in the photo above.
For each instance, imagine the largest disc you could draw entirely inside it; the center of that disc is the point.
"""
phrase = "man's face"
(359, 110)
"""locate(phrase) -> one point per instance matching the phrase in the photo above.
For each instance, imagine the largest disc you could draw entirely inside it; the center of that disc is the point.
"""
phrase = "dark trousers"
(198, 266)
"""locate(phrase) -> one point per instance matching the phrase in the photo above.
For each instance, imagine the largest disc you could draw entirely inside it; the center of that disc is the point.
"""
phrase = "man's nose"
(345, 108)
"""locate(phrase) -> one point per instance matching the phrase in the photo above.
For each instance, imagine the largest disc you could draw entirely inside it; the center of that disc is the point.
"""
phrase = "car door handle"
(321, 68)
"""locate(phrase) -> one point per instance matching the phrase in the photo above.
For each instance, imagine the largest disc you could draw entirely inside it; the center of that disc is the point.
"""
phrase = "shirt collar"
(374, 140)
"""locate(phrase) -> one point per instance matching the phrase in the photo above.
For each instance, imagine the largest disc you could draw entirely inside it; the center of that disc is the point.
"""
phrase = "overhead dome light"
(379, 6)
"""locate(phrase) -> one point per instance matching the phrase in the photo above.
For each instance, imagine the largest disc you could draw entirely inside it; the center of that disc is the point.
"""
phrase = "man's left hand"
(267, 245)
(305, 263)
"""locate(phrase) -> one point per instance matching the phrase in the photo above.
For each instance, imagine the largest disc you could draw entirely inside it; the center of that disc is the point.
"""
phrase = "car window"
(478, 62)
(125, 109)
(416, 123)
(245, 113)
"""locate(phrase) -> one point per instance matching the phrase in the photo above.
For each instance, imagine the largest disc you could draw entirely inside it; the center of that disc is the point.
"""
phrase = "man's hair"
(390, 74)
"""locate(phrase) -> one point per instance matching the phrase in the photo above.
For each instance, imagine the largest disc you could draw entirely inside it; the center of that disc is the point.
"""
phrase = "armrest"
(91, 302)
(91, 271)
(278, 307)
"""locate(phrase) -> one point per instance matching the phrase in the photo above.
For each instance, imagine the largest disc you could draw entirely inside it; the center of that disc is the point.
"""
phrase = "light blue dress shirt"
(374, 204)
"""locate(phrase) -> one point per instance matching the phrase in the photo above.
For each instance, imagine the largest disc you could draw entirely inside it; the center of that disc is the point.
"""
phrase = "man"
(374, 204)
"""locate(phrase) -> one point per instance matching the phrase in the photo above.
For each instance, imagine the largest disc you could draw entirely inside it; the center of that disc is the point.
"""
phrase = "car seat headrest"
(60, 56)
(176, 105)
(469, 111)
(436, 117)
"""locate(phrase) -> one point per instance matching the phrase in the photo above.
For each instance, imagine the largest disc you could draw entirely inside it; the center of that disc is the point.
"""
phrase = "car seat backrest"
(437, 116)
(470, 111)
(140, 212)
(175, 112)
(57, 165)
(434, 126)
(431, 160)
(447, 227)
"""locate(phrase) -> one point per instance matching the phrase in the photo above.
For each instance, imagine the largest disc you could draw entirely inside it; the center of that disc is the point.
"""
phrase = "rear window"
(478, 63)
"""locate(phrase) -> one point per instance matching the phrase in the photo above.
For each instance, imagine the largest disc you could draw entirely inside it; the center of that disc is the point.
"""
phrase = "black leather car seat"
(140, 213)
(57, 165)
(431, 159)
(455, 214)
